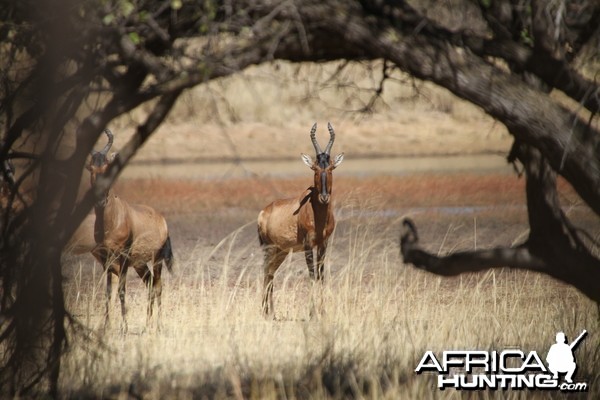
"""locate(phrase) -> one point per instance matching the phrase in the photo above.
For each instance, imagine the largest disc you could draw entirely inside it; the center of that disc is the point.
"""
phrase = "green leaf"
(135, 38)
(144, 16)
(127, 8)
(108, 19)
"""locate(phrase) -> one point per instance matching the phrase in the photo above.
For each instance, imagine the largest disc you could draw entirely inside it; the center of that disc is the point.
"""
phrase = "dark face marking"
(323, 177)
(98, 159)
(323, 160)
(324, 188)
(97, 166)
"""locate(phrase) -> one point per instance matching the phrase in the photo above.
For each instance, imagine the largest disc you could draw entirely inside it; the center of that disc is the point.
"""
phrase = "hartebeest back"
(128, 235)
(300, 223)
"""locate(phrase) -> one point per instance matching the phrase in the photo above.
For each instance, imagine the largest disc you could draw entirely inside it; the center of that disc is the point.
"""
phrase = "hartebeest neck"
(99, 223)
(321, 211)
(99, 210)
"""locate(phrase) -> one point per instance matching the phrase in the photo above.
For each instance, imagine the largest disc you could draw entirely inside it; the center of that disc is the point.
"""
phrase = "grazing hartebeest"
(128, 235)
(300, 223)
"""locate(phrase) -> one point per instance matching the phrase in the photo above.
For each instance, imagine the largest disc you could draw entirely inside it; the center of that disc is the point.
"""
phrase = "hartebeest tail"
(166, 253)
(128, 235)
(300, 223)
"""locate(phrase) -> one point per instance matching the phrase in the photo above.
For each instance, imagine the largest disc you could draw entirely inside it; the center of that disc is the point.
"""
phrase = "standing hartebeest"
(128, 235)
(300, 223)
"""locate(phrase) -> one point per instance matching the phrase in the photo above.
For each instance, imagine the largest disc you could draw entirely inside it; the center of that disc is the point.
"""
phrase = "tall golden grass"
(378, 316)
(377, 319)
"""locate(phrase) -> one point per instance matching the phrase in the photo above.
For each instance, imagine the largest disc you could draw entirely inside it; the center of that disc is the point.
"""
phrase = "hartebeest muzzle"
(324, 193)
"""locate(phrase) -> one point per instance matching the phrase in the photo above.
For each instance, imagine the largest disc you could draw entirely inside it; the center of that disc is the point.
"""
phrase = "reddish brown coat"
(300, 223)
(128, 235)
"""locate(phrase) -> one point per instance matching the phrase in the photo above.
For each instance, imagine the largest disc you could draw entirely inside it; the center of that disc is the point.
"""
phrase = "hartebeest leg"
(152, 279)
(321, 250)
(316, 298)
(108, 296)
(273, 259)
(308, 254)
(310, 262)
(122, 290)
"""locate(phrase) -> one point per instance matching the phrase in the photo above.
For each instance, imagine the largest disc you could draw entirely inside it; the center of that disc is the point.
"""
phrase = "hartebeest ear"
(338, 160)
(307, 160)
(112, 157)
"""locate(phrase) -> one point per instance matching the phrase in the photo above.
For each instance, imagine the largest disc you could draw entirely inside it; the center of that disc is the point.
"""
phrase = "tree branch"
(584, 277)
(465, 261)
(570, 144)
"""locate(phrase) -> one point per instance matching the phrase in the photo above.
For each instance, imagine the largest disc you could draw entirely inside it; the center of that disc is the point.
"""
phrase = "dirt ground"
(453, 210)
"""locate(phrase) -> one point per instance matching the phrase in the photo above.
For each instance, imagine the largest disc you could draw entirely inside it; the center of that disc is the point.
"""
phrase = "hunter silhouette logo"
(560, 357)
(510, 368)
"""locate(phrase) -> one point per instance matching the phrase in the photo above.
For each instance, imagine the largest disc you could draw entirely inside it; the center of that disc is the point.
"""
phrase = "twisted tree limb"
(554, 246)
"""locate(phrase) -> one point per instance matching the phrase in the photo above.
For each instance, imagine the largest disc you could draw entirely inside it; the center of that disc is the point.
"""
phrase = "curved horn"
(314, 139)
(332, 138)
(110, 141)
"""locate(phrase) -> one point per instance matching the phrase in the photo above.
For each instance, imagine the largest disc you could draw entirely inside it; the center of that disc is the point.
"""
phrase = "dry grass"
(378, 315)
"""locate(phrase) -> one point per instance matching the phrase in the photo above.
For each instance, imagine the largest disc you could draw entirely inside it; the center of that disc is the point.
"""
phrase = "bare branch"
(464, 261)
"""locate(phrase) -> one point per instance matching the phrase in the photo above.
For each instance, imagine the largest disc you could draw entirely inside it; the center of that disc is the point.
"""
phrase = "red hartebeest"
(128, 235)
(300, 223)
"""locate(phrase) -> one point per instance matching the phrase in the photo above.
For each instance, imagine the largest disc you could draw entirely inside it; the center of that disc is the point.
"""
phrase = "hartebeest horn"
(314, 139)
(332, 138)
(110, 141)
